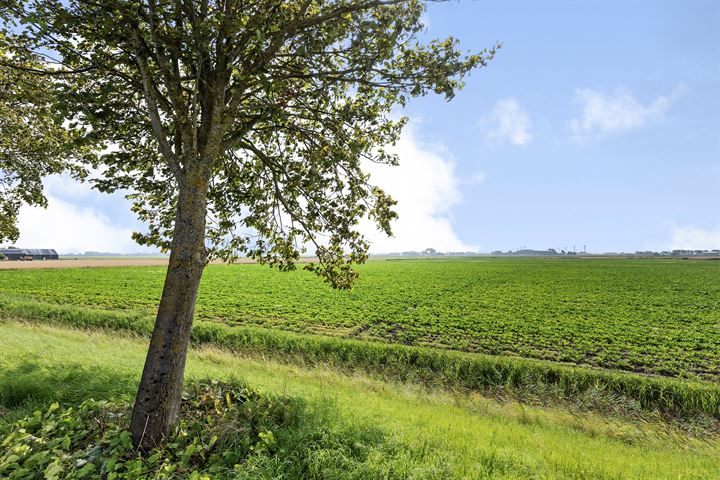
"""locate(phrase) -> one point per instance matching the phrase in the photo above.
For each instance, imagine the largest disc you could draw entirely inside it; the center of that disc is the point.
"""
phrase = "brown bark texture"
(158, 399)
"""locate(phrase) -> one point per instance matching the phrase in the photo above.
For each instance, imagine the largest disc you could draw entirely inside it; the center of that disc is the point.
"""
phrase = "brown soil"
(91, 263)
(80, 263)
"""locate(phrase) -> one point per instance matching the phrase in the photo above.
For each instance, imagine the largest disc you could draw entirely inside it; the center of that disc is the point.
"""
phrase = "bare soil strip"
(82, 263)
(106, 262)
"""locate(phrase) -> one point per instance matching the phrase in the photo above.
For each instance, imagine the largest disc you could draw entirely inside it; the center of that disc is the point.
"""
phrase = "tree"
(31, 139)
(239, 127)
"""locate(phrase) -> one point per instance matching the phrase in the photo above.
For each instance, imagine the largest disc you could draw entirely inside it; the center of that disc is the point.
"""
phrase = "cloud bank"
(426, 187)
(71, 223)
(424, 184)
(693, 238)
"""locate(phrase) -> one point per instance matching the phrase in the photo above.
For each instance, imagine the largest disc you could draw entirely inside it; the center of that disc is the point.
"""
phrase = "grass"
(641, 315)
(404, 431)
(535, 380)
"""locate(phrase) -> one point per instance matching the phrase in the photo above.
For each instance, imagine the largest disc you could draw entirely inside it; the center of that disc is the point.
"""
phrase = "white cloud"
(69, 227)
(64, 186)
(693, 238)
(509, 122)
(425, 187)
(614, 113)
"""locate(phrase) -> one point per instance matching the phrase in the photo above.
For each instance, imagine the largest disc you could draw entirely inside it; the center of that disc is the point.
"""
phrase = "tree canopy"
(279, 102)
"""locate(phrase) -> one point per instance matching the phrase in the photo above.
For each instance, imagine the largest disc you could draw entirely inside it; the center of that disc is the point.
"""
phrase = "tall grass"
(361, 425)
(433, 367)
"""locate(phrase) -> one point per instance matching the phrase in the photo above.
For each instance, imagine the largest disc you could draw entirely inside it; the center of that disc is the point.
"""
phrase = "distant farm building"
(29, 253)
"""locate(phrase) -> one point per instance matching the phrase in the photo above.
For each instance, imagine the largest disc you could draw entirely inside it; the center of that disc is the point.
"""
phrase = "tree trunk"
(158, 399)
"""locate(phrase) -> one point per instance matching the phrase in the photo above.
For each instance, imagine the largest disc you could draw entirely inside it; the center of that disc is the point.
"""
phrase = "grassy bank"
(401, 431)
(594, 389)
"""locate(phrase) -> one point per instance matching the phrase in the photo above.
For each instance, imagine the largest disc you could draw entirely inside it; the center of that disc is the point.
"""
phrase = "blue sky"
(596, 124)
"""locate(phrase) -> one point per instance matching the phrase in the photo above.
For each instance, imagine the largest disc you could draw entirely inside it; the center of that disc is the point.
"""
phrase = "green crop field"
(650, 316)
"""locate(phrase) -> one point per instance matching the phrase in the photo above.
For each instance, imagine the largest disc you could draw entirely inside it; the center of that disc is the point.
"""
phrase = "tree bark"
(158, 399)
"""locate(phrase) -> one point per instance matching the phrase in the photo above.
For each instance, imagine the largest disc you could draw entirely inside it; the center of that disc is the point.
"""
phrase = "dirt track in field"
(110, 262)
(91, 263)
(68, 262)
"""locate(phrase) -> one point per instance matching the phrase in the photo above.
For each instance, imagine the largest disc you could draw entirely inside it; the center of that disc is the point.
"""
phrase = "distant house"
(29, 253)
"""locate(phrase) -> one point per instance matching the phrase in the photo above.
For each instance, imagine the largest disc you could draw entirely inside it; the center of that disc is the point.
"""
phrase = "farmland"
(487, 366)
(648, 316)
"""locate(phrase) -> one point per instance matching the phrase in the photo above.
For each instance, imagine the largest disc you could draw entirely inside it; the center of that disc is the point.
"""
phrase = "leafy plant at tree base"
(241, 127)
(220, 426)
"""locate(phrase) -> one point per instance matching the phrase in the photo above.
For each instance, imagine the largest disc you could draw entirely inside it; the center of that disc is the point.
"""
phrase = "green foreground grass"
(408, 431)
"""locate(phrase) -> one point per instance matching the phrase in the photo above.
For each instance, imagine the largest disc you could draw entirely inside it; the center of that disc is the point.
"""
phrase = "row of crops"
(649, 316)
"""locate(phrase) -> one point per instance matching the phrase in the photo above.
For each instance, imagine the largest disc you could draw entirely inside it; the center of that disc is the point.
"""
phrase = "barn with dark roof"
(29, 253)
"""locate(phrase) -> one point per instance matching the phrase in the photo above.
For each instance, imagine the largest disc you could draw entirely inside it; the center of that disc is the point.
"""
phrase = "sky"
(597, 124)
